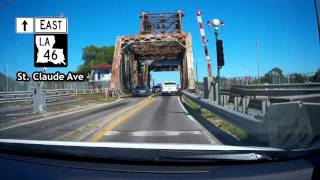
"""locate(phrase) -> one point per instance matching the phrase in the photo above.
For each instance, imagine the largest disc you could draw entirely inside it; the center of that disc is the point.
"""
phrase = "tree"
(316, 77)
(93, 55)
(274, 76)
(298, 78)
(3, 83)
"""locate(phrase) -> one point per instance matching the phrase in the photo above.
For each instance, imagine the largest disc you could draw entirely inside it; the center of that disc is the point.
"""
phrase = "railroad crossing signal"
(220, 55)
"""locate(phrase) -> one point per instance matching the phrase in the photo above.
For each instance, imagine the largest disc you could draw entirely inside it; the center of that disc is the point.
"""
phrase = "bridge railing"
(15, 86)
(255, 99)
(272, 129)
(292, 78)
(51, 96)
(253, 127)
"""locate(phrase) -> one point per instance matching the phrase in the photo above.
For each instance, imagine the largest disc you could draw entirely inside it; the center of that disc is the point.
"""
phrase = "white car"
(169, 88)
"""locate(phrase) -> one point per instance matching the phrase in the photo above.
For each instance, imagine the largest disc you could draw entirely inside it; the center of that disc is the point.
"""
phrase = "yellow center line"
(66, 135)
(142, 104)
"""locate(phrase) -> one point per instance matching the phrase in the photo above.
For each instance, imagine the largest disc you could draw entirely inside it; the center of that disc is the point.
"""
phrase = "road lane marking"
(56, 116)
(68, 134)
(210, 137)
(94, 124)
(207, 134)
(136, 109)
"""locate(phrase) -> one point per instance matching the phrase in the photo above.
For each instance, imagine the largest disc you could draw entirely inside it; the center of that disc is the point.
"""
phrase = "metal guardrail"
(254, 127)
(255, 99)
(25, 97)
(285, 86)
(282, 115)
(272, 92)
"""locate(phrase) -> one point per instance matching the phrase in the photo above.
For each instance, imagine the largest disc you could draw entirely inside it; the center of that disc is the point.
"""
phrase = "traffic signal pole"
(220, 57)
(218, 70)
(219, 47)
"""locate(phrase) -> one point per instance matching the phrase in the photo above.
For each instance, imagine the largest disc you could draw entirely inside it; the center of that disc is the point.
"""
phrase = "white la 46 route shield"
(50, 50)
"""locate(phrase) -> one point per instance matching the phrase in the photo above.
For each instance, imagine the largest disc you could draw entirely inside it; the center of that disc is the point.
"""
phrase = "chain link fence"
(271, 78)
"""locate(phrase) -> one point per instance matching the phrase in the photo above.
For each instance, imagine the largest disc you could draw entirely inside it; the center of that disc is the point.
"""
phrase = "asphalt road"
(164, 120)
(159, 119)
(73, 127)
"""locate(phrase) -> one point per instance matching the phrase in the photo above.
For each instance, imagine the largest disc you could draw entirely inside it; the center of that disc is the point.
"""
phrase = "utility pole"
(218, 71)
(7, 74)
(257, 48)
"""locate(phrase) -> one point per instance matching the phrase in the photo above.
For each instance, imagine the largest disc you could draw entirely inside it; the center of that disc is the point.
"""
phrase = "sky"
(285, 29)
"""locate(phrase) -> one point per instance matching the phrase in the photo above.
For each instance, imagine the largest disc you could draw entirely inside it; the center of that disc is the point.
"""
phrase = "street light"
(217, 24)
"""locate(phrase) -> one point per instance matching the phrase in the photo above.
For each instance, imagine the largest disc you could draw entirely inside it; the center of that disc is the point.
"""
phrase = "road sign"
(51, 42)
(50, 39)
(24, 25)
(51, 25)
(50, 50)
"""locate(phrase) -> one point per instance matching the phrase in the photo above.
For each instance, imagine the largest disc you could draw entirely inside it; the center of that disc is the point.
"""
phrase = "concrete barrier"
(293, 125)
(255, 128)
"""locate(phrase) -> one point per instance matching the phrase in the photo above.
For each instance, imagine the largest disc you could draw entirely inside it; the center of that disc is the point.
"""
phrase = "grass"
(223, 124)
(191, 104)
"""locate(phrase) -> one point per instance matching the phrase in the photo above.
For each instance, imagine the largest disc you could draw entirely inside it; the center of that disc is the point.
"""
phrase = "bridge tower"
(160, 45)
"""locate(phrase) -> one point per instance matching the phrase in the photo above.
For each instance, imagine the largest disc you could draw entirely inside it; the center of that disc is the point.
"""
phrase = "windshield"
(141, 87)
(221, 74)
(170, 83)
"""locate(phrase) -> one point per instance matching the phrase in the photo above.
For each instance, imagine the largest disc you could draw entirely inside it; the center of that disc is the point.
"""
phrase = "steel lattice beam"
(171, 45)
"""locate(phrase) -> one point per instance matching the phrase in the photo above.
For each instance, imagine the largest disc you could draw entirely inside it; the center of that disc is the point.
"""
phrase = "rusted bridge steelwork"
(161, 45)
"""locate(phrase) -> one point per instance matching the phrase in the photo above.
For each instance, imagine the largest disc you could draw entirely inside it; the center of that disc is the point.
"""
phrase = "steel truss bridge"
(161, 45)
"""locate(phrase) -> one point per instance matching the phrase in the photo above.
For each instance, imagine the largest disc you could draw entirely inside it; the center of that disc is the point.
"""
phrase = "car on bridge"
(169, 88)
(156, 89)
(141, 91)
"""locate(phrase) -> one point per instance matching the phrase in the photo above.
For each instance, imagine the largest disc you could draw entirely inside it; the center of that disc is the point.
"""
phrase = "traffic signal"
(220, 55)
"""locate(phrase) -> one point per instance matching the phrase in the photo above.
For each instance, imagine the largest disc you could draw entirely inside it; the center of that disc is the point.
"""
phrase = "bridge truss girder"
(135, 57)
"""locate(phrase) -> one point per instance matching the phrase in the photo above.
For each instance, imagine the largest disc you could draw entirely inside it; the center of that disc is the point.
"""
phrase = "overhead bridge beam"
(160, 46)
(131, 50)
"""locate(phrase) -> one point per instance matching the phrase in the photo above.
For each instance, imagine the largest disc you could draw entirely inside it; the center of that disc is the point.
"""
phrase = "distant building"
(100, 75)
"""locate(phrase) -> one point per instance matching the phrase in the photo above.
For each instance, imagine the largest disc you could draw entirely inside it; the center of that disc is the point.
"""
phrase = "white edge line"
(60, 115)
(210, 137)
(171, 146)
